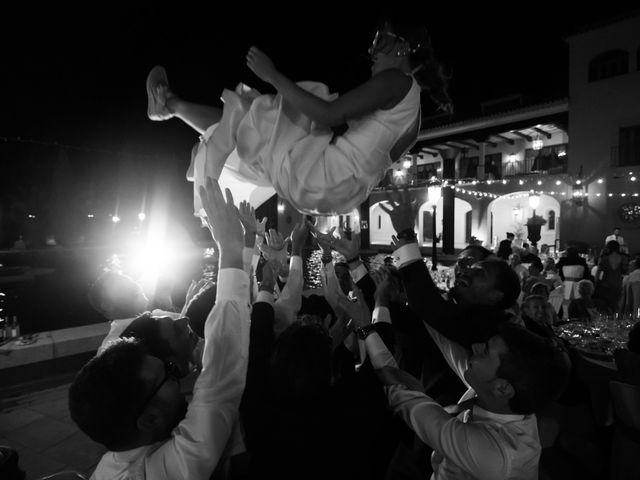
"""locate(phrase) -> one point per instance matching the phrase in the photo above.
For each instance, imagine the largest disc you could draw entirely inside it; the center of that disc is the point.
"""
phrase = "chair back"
(625, 444)
(626, 406)
(596, 375)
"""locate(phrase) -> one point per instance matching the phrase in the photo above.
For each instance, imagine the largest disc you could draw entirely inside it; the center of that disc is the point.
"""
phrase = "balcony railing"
(547, 165)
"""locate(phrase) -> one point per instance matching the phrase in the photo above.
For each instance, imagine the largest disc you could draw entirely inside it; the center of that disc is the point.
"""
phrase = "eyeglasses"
(171, 370)
(380, 44)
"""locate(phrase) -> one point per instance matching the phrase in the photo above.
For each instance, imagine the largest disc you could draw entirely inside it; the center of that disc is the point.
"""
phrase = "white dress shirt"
(199, 441)
(476, 444)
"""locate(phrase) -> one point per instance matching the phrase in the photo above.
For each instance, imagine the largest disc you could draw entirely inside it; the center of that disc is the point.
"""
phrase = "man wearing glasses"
(131, 402)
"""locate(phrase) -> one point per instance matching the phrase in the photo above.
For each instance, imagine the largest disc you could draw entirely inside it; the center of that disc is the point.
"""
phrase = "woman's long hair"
(427, 70)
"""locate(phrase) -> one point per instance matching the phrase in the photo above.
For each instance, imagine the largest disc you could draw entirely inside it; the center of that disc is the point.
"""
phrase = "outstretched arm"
(384, 90)
(213, 411)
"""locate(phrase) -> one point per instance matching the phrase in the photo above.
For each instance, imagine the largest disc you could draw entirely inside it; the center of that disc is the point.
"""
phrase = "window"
(493, 166)
(608, 64)
(551, 220)
(427, 170)
(550, 159)
(468, 167)
(629, 146)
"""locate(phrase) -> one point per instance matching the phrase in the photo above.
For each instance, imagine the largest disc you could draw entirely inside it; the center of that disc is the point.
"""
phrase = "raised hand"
(248, 218)
(223, 219)
(350, 248)
(357, 311)
(261, 65)
(269, 273)
(298, 236)
(340, 329)
(383, 292)
(274, 246)
(402, 209)
(261, 227)
(252, 227)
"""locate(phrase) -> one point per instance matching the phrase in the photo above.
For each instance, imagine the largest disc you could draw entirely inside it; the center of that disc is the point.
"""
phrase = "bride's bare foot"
(157, 94)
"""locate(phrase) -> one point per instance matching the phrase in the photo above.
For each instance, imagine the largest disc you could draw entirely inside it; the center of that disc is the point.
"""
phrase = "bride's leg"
(164, 104)
(197, 116)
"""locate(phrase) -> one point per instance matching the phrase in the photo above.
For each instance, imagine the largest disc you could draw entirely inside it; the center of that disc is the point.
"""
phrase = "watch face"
(629, 212)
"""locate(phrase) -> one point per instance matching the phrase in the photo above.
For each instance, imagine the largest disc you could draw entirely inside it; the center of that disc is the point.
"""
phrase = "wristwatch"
(364, 332)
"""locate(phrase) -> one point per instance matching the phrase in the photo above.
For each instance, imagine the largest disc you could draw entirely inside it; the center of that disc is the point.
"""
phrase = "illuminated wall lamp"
(537, 143)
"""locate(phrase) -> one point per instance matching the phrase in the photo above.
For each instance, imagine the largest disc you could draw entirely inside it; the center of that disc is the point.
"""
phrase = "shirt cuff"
(295, 263)
(381, 315)
(358, 273)
(233, 284)
(407, 254)
(264, 296)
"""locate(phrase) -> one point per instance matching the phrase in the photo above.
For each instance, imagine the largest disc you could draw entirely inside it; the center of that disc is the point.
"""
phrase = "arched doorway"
(510, 212)
(461, 227)
(380, 227)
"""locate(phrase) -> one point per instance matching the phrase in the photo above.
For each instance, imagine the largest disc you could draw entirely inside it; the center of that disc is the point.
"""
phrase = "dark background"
(74, 136)
(75, 139)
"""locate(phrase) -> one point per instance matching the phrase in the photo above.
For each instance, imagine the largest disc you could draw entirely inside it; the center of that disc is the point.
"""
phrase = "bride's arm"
(384, 90)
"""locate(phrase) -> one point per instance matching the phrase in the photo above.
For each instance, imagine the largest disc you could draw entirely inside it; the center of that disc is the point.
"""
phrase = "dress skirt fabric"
(262, 146)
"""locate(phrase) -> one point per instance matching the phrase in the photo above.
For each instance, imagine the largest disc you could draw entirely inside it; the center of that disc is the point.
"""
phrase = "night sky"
(75, 77)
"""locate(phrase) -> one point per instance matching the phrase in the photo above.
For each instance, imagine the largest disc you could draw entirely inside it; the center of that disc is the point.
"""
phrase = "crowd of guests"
(378, 375)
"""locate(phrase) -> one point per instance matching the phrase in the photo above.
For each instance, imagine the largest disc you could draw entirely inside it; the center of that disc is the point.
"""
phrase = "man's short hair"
(536, 368)
(147, 330)
(199, 309)
(537, 263)
(106, 392)
(480, 252)
(507, 282)
(613, 246)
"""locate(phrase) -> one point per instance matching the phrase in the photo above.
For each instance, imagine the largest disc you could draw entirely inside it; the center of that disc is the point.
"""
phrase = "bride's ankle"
(171, 102)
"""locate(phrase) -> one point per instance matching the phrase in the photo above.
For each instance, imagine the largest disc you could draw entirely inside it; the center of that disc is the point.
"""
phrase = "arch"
(510, 212)
(608, 64)
(461, 208)
(380, 227)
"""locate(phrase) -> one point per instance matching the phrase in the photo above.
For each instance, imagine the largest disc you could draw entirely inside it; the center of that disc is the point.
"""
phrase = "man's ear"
(502, 389)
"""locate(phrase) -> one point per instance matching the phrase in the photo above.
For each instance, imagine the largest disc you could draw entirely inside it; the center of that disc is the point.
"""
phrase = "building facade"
(569, 167)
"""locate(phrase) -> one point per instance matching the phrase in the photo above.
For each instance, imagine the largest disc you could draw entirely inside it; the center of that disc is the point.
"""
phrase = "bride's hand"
(261, 65)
